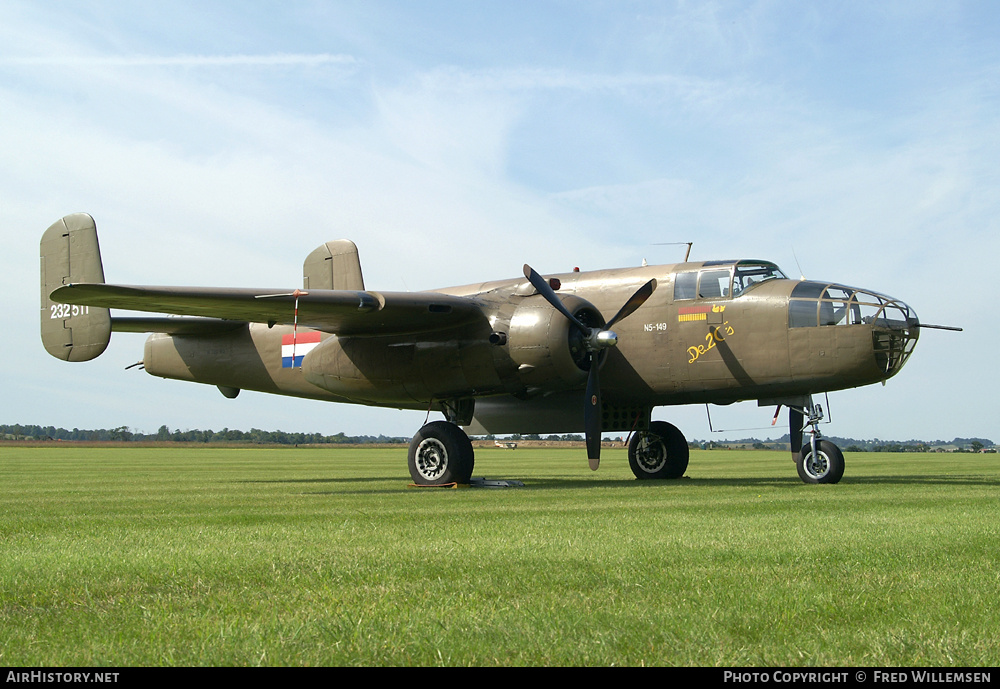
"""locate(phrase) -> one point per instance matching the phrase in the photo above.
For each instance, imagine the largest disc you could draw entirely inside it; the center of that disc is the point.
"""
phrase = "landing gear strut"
(818, 461)
(440, 453)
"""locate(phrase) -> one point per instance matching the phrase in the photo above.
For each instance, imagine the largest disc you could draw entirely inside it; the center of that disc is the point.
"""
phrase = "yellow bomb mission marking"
(697, 313)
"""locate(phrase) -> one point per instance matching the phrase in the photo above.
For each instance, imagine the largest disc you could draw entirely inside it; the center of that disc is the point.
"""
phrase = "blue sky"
(217, 143)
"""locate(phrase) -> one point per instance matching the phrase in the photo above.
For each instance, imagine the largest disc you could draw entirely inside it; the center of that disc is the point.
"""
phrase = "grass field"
(202, 556)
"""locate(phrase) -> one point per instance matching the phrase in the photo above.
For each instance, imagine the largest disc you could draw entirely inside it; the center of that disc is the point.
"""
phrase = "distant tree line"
(568, 437)
(254, 436)
(853, 444)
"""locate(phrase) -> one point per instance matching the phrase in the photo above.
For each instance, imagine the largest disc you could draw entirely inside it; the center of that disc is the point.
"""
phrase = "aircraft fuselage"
(768, 341)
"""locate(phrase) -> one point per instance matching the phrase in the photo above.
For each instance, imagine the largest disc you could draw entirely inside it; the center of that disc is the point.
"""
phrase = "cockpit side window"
(752, 273)
(685, 285)
(714, 284)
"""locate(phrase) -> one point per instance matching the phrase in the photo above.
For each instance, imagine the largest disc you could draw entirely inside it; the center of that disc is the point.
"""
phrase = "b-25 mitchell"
(532, 354)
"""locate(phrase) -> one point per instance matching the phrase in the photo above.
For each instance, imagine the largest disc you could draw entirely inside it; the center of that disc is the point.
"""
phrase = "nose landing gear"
(819, 460)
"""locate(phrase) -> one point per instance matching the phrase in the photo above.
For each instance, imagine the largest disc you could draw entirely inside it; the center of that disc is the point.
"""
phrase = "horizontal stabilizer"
(173, 325)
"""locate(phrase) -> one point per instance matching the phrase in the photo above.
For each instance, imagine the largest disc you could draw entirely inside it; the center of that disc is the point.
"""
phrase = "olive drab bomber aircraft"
(531, 354)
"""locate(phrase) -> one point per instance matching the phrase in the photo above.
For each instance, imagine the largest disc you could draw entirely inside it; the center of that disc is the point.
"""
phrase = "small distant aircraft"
(531, 354)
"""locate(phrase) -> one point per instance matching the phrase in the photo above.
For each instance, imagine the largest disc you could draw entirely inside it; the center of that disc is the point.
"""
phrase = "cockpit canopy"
(723, 279)
(818, 303)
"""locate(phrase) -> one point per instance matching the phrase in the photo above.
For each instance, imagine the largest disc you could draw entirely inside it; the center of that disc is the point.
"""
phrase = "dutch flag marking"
(302, 345)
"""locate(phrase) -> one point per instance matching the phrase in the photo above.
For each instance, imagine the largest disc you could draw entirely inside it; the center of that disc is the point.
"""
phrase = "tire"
(440, 453)
(659, 453)
(828, 466)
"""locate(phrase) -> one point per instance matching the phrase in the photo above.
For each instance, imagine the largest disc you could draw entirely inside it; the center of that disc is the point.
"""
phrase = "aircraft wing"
(345, 312)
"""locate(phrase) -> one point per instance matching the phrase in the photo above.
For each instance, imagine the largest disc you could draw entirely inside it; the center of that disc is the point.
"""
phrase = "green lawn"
(203, 556)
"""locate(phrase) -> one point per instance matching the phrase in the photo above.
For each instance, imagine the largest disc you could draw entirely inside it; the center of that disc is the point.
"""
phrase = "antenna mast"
(687, 254)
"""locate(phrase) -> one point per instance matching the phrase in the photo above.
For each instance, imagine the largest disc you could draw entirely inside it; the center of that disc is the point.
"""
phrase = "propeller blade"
(598, 339)
(542, 286)
(592, 414)
(633, 303)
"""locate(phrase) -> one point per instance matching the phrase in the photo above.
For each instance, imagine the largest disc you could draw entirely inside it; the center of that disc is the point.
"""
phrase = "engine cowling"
(546, 347)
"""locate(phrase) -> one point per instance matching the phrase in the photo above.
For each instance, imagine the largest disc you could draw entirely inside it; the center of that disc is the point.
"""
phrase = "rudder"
(70, 254)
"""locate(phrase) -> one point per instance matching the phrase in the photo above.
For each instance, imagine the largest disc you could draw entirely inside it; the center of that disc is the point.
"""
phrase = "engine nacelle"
(547, 348)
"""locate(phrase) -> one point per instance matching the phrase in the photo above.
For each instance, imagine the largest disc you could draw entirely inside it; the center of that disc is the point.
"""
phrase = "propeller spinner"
(596, 340)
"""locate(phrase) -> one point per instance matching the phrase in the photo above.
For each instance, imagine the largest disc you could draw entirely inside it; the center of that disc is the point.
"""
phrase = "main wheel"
(440, 453)
(660, 452)
(827, 466)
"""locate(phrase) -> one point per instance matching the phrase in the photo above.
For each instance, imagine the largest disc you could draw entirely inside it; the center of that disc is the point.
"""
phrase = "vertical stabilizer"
(334, 265)
(70, 254)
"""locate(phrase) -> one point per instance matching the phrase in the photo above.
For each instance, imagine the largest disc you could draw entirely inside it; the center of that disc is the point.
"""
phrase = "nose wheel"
(824, 464)
(818, 460)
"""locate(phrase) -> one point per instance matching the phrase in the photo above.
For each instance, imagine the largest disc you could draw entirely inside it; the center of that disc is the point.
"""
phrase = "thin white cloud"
(271, 60)
(452, 79)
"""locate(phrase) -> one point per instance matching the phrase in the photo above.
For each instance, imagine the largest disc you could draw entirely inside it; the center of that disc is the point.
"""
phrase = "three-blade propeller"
(596, 340)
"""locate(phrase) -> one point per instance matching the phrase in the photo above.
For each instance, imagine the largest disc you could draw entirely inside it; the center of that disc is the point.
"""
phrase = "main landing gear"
(819, 460)
(660, 452)
(440, 453)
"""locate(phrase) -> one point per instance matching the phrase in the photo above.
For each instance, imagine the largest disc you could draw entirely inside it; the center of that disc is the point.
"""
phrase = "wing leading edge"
(344, 312)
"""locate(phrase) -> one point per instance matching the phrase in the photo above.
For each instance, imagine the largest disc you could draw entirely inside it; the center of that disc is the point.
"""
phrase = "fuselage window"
(684, 285)
(835, 308)
(833, 312)
(802, 313)
(714, 284)
(749, 274)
